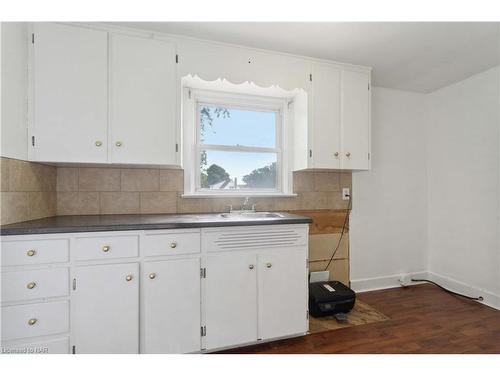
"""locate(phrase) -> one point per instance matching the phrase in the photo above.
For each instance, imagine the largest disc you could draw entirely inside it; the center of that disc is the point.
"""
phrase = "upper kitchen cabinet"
(339, 118)
(324, 117)
(70, 112)
(101, 97)
(142, 101)
(355, 119)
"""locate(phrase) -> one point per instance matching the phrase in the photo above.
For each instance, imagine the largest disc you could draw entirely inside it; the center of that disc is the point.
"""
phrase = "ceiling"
(413, 56)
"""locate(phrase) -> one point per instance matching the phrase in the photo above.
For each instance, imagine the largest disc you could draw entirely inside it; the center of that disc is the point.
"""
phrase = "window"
(237, 144)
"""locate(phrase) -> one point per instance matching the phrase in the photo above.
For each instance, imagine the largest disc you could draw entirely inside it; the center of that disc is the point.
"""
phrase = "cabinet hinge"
(33, 38)
(203, 273)
(74, 284)
(33, 140)
(189, 93)
(310, 77)
(310, 153)
(73, 349)
(307, 263)
(307, 314)
(368, 156)
(203, 331)
(176, 147)
(176, 59)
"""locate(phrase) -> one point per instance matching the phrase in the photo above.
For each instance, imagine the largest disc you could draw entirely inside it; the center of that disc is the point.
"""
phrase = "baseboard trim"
(490, 299)
(384, 282)
(392, 281)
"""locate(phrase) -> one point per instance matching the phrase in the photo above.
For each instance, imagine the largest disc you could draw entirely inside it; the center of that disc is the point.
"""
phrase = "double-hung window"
(238, 144)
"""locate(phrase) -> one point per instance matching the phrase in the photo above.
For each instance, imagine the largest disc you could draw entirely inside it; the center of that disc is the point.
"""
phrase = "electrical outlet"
(345, 194)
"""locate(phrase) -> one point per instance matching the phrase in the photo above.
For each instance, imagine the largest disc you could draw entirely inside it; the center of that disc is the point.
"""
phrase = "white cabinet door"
(325, 117)
(230, 300)
(283, 293)
(355, 120)
(142, 101)
(171, 306)
(105, 311)
(70, 112)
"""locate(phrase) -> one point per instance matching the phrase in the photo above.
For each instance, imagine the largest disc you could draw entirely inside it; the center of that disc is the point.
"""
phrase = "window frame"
(192, 99)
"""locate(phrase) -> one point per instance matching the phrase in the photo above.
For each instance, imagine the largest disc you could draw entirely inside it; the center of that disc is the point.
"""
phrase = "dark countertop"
(101, 223)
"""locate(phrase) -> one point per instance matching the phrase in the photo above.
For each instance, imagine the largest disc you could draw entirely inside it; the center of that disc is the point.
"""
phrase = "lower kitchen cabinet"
(105, 308)
(230, 299)
(171, 306)
(283, 293)
(154, 292)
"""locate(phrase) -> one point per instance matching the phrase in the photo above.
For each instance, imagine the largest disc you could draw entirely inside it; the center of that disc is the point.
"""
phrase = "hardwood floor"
(423, 319)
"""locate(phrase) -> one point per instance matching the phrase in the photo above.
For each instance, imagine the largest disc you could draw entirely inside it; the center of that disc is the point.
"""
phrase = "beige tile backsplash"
(28, 191)
(133, 190)
(31, 190)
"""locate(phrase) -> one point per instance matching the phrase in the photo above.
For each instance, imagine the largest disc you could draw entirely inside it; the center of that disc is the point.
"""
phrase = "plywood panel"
(321, 246)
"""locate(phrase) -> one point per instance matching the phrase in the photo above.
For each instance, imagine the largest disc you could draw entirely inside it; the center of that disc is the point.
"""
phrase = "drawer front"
(173, 243)
(25, 285)
(16, 253)
(106, 247)
(55, 346)
(34, 320)
(254, 238)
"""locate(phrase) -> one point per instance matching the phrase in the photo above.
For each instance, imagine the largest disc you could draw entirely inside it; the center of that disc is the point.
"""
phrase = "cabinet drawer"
(34, 320)
(55, 346)
(106, 247)
(172, 243)
(25, 285)
(29, 252)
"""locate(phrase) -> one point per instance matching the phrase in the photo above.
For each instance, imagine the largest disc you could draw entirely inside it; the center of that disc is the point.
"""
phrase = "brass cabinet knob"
(98, 143)
(129, 277)
(30, 253)
(348, 154)
(250, 266)
(173, 245)
(152, 275)
(31, 285)
(336, 154)
(118, 144)
(269, 265)
(106, 248)
(32, 321)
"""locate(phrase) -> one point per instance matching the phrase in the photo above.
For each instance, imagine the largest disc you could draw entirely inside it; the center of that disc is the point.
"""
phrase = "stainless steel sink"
(251, 215)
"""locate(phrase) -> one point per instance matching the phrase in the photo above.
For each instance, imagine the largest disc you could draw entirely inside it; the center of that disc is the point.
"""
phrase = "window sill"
(238, 195)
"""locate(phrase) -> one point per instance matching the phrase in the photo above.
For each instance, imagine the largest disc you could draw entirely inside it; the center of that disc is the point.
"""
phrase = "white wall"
(431, 202)
(388, 228)
(463, 170)
(14, 90)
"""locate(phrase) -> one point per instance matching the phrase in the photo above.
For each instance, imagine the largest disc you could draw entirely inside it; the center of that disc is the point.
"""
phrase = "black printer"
(330, 298)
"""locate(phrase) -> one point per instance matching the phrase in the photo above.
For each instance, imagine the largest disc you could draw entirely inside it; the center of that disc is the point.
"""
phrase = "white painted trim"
(392, 281)
(490, 299)
(238, 194)
(383, 282)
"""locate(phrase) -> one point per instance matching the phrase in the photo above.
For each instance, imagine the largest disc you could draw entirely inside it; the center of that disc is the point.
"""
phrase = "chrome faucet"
(245, 205)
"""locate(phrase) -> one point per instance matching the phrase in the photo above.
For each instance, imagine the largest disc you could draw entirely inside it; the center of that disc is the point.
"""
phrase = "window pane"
(230, 127)
(225, 170)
